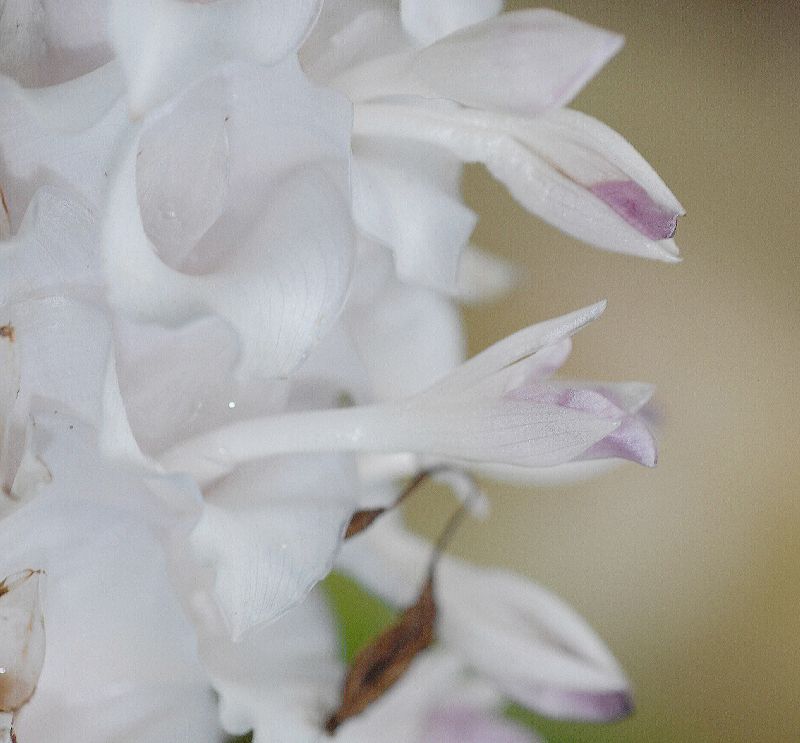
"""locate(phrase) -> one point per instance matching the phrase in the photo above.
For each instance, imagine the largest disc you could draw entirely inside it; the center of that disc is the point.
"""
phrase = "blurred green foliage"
(359, 614)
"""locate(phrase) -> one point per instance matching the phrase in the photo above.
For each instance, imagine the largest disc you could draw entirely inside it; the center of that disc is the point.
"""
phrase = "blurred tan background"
(691, 571)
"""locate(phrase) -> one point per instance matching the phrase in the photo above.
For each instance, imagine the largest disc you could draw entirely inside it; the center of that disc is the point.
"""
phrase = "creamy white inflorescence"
(232, 245)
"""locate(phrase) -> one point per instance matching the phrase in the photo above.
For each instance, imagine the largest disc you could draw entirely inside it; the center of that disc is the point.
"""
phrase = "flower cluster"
(232, 247)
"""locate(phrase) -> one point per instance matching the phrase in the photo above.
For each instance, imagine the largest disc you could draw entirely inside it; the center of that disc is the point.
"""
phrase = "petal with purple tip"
(634, 205)
(632, 440)
(585, 706)
(550, 164)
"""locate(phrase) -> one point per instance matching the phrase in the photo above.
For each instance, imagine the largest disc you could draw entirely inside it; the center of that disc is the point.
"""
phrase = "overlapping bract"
(230, 239)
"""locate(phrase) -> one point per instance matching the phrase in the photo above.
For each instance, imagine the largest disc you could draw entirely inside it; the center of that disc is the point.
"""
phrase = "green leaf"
(360, 615)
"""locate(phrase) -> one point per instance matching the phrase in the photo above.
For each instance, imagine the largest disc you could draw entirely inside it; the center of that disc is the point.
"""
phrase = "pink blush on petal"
(463, 724)
(632, 441)
(634, 205)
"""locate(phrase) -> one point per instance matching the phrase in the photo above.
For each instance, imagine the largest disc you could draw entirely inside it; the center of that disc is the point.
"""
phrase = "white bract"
(231, 245)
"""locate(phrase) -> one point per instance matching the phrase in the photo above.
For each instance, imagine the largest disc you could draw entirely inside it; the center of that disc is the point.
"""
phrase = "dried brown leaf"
(382, 663)
(7, 331)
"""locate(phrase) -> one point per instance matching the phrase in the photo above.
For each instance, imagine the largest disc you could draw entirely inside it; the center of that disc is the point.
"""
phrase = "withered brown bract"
(362, 519)
(382, 663)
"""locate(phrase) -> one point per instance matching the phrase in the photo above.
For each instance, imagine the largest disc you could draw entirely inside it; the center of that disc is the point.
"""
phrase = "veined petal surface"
(275, 258)
(179, 382)
(270, 531)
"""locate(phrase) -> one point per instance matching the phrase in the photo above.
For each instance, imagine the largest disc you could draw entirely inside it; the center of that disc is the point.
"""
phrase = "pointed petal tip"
(614, 706)
(629, 439)
(636, 446)
(670, 251)
(576, 320)
(598, 308)
(588, 314)
(586, 706)
(632, 202)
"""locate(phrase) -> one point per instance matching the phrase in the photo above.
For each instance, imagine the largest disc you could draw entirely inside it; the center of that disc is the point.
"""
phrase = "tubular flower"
(231, 246)
(482, 89)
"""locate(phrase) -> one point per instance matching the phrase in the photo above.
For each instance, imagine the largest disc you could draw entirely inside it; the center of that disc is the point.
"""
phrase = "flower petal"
(195, 391)
(483, 277)
(598, 158)
(287, 190)
(173, 155)
(55, 249)
(526, 641)
(428, 21)
(404, 311)
(280, 680)
(468, 416)
(45, 42)
(631, 440)
(524, 62)
(434, 682)
(463, 724)
(62, 136)
(165, 45)
(61, 354)
(504, 431)
(539, 652)
(270, 531)
(426, 228)
(494, 364)
(557, 165)
(347, 34)
(121, 660)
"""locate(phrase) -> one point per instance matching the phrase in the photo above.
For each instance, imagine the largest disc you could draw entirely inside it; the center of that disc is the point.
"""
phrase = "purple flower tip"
(634, 205)
(588, 706)
(632, 441)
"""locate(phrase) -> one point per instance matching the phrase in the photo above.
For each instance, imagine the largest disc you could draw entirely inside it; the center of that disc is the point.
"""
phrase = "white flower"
(256, 230)
(490, 92)
(483, 411)
(516, 635)
(228, 324)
